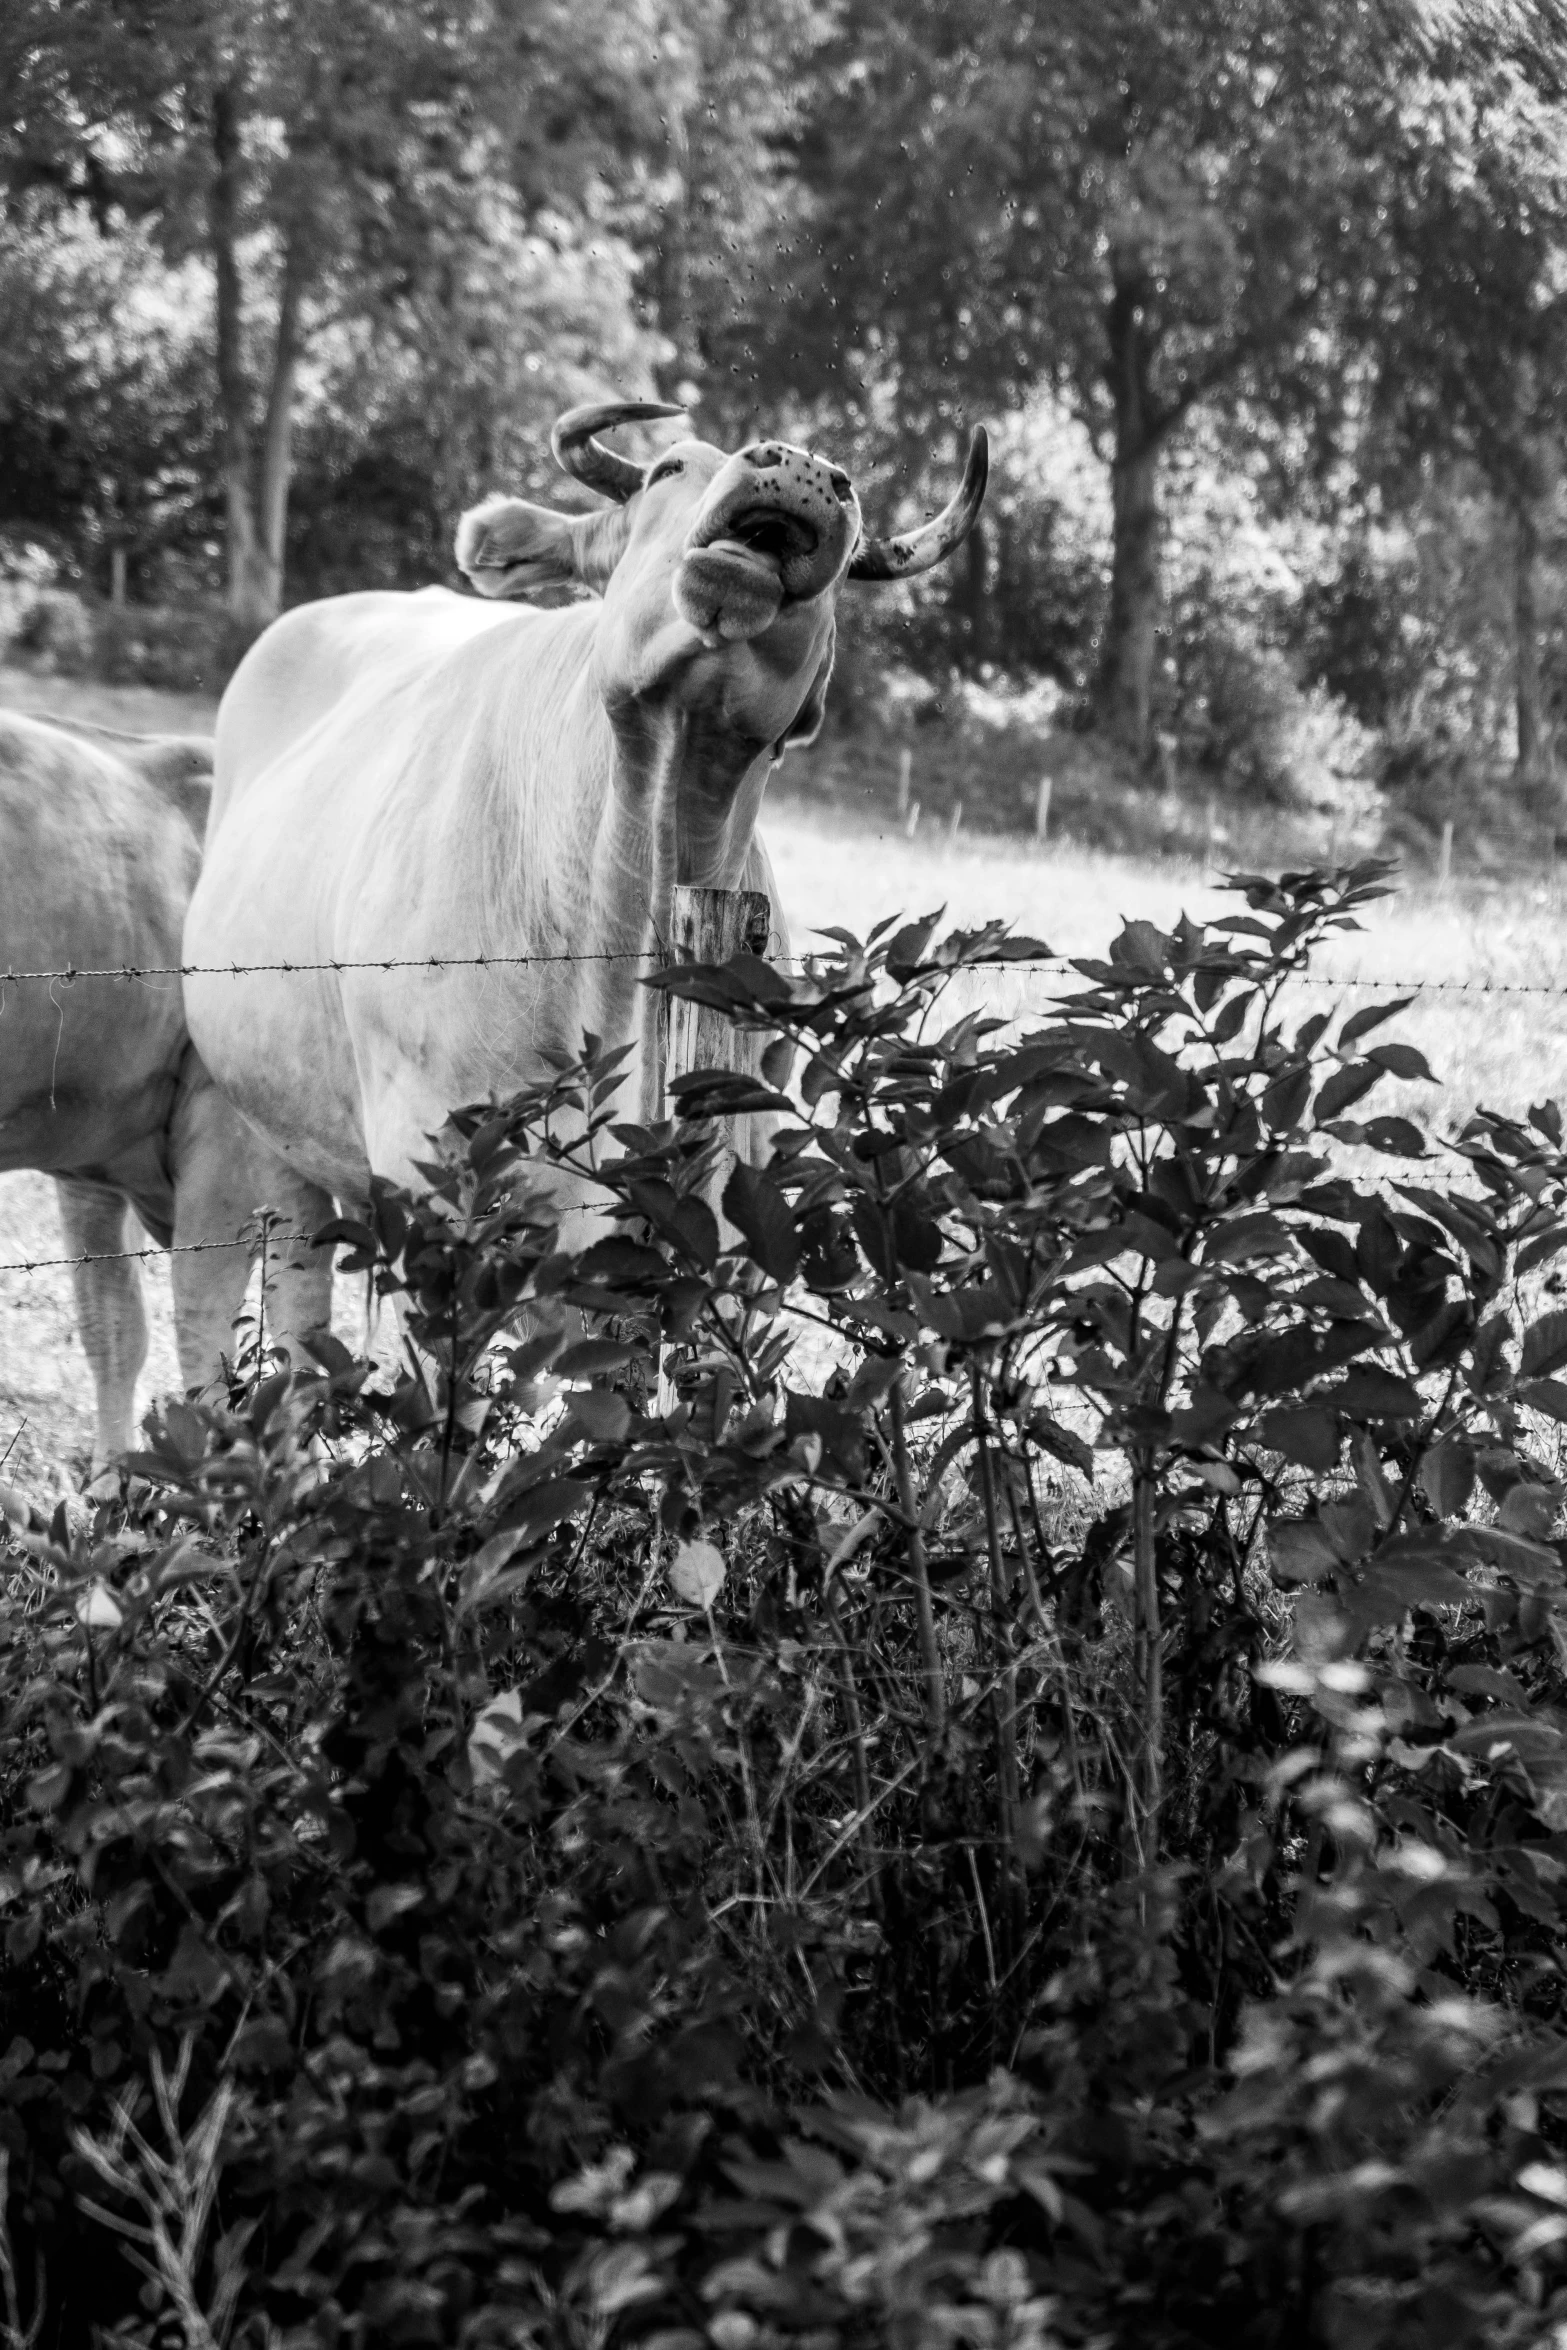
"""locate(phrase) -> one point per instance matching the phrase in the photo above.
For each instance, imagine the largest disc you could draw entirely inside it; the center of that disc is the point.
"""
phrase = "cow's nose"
(771, 456)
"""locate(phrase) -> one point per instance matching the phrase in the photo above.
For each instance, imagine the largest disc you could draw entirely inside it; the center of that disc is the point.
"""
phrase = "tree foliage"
(324, 160)
(1317, 250)
(1149, 208)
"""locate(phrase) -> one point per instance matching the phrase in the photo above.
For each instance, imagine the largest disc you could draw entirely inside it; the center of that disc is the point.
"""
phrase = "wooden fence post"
(706, 926)
(1042, 809)
(1444, 859)
(905, 770)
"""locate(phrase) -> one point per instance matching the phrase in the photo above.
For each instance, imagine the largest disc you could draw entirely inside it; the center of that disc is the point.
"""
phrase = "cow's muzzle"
(776, 522)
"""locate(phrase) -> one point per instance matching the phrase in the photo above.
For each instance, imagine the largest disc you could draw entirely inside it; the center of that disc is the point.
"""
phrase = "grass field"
(1486, 1043)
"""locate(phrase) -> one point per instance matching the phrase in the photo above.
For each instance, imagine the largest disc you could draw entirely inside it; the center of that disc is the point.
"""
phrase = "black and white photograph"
(783, 1198)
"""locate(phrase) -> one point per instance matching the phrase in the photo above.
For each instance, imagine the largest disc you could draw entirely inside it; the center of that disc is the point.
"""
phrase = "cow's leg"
(297, 1297)
(223, 1175)
(109, 1312)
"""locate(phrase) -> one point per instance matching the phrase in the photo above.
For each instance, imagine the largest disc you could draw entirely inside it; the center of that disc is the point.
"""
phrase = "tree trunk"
(255, 491)
(672, 275)
(1123, 691)
(1526, 624)
(247, 588)
(277, 439)
(970, 593)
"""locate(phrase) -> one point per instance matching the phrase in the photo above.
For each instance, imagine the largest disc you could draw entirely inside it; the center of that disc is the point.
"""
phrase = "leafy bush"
(965, 1745)
(53, 626)
(184, 648)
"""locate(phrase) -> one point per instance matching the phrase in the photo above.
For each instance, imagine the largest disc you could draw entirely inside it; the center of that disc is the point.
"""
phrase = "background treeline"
(1267, 303)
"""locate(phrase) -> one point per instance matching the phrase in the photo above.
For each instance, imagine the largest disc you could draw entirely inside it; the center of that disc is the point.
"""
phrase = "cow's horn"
(576, 449)
(923, 549)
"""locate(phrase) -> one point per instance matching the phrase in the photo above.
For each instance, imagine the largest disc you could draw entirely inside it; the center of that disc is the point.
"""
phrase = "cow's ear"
(508, 548)
(806, 723)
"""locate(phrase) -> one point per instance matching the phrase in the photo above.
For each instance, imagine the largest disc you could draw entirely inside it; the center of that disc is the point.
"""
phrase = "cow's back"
(299, 671)
(98, 859)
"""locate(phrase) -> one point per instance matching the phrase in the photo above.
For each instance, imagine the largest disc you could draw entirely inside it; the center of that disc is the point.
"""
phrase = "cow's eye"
(665, 471)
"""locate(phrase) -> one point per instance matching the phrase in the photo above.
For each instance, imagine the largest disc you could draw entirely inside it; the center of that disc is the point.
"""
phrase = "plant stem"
(930, 1653)
(1148, 1664)
(856, 1721)
(1006, 1707)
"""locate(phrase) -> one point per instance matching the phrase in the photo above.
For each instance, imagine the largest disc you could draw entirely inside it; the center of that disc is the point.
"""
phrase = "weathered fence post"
(913, 824)
(1042, 809)
(117, 577)
(1444, 860)
(954, 822)
(706, 926)
(905, 770)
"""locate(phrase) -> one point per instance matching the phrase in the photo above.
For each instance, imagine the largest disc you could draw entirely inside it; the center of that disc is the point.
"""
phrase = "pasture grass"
(1504, 1049)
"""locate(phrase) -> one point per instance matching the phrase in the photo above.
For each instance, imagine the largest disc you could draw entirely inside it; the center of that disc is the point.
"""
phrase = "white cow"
(413, 776)
(100, 842)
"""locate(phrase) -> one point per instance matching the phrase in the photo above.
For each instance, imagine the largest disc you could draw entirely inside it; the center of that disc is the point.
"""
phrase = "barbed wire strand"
(1064, 965)
(130, 1256)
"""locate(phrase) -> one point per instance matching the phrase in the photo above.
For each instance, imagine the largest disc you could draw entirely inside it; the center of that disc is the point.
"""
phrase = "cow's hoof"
(113, 1489)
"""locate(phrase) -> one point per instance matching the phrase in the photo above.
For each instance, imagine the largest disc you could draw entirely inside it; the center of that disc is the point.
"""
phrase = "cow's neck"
(684, 801)
(683, 806)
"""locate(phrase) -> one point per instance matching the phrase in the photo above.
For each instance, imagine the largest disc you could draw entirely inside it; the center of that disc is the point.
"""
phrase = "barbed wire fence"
(68, 974)
(1062, 964)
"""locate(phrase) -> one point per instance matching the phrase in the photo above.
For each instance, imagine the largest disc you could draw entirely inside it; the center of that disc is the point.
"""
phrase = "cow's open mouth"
(765, 535)
(733, 578)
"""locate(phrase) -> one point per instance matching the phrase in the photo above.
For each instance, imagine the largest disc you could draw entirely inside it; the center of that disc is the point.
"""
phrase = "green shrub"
(54, 627)
(1046, 1827)
(183, 648)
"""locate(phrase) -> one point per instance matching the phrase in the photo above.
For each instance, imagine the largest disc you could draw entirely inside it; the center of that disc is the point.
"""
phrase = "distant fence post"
(1042, 809)
(954, 822)
(912, 826)
(117, 577)
(1444, 858)
(905, 770)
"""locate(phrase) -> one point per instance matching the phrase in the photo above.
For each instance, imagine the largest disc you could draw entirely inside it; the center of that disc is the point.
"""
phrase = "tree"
(320, 154)
(1473, 358)
(105, 394)
(1150, 208)
(734, 77)
(450, 392)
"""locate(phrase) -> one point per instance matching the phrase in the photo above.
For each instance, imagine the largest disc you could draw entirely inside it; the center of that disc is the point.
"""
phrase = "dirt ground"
(1485, 1043)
